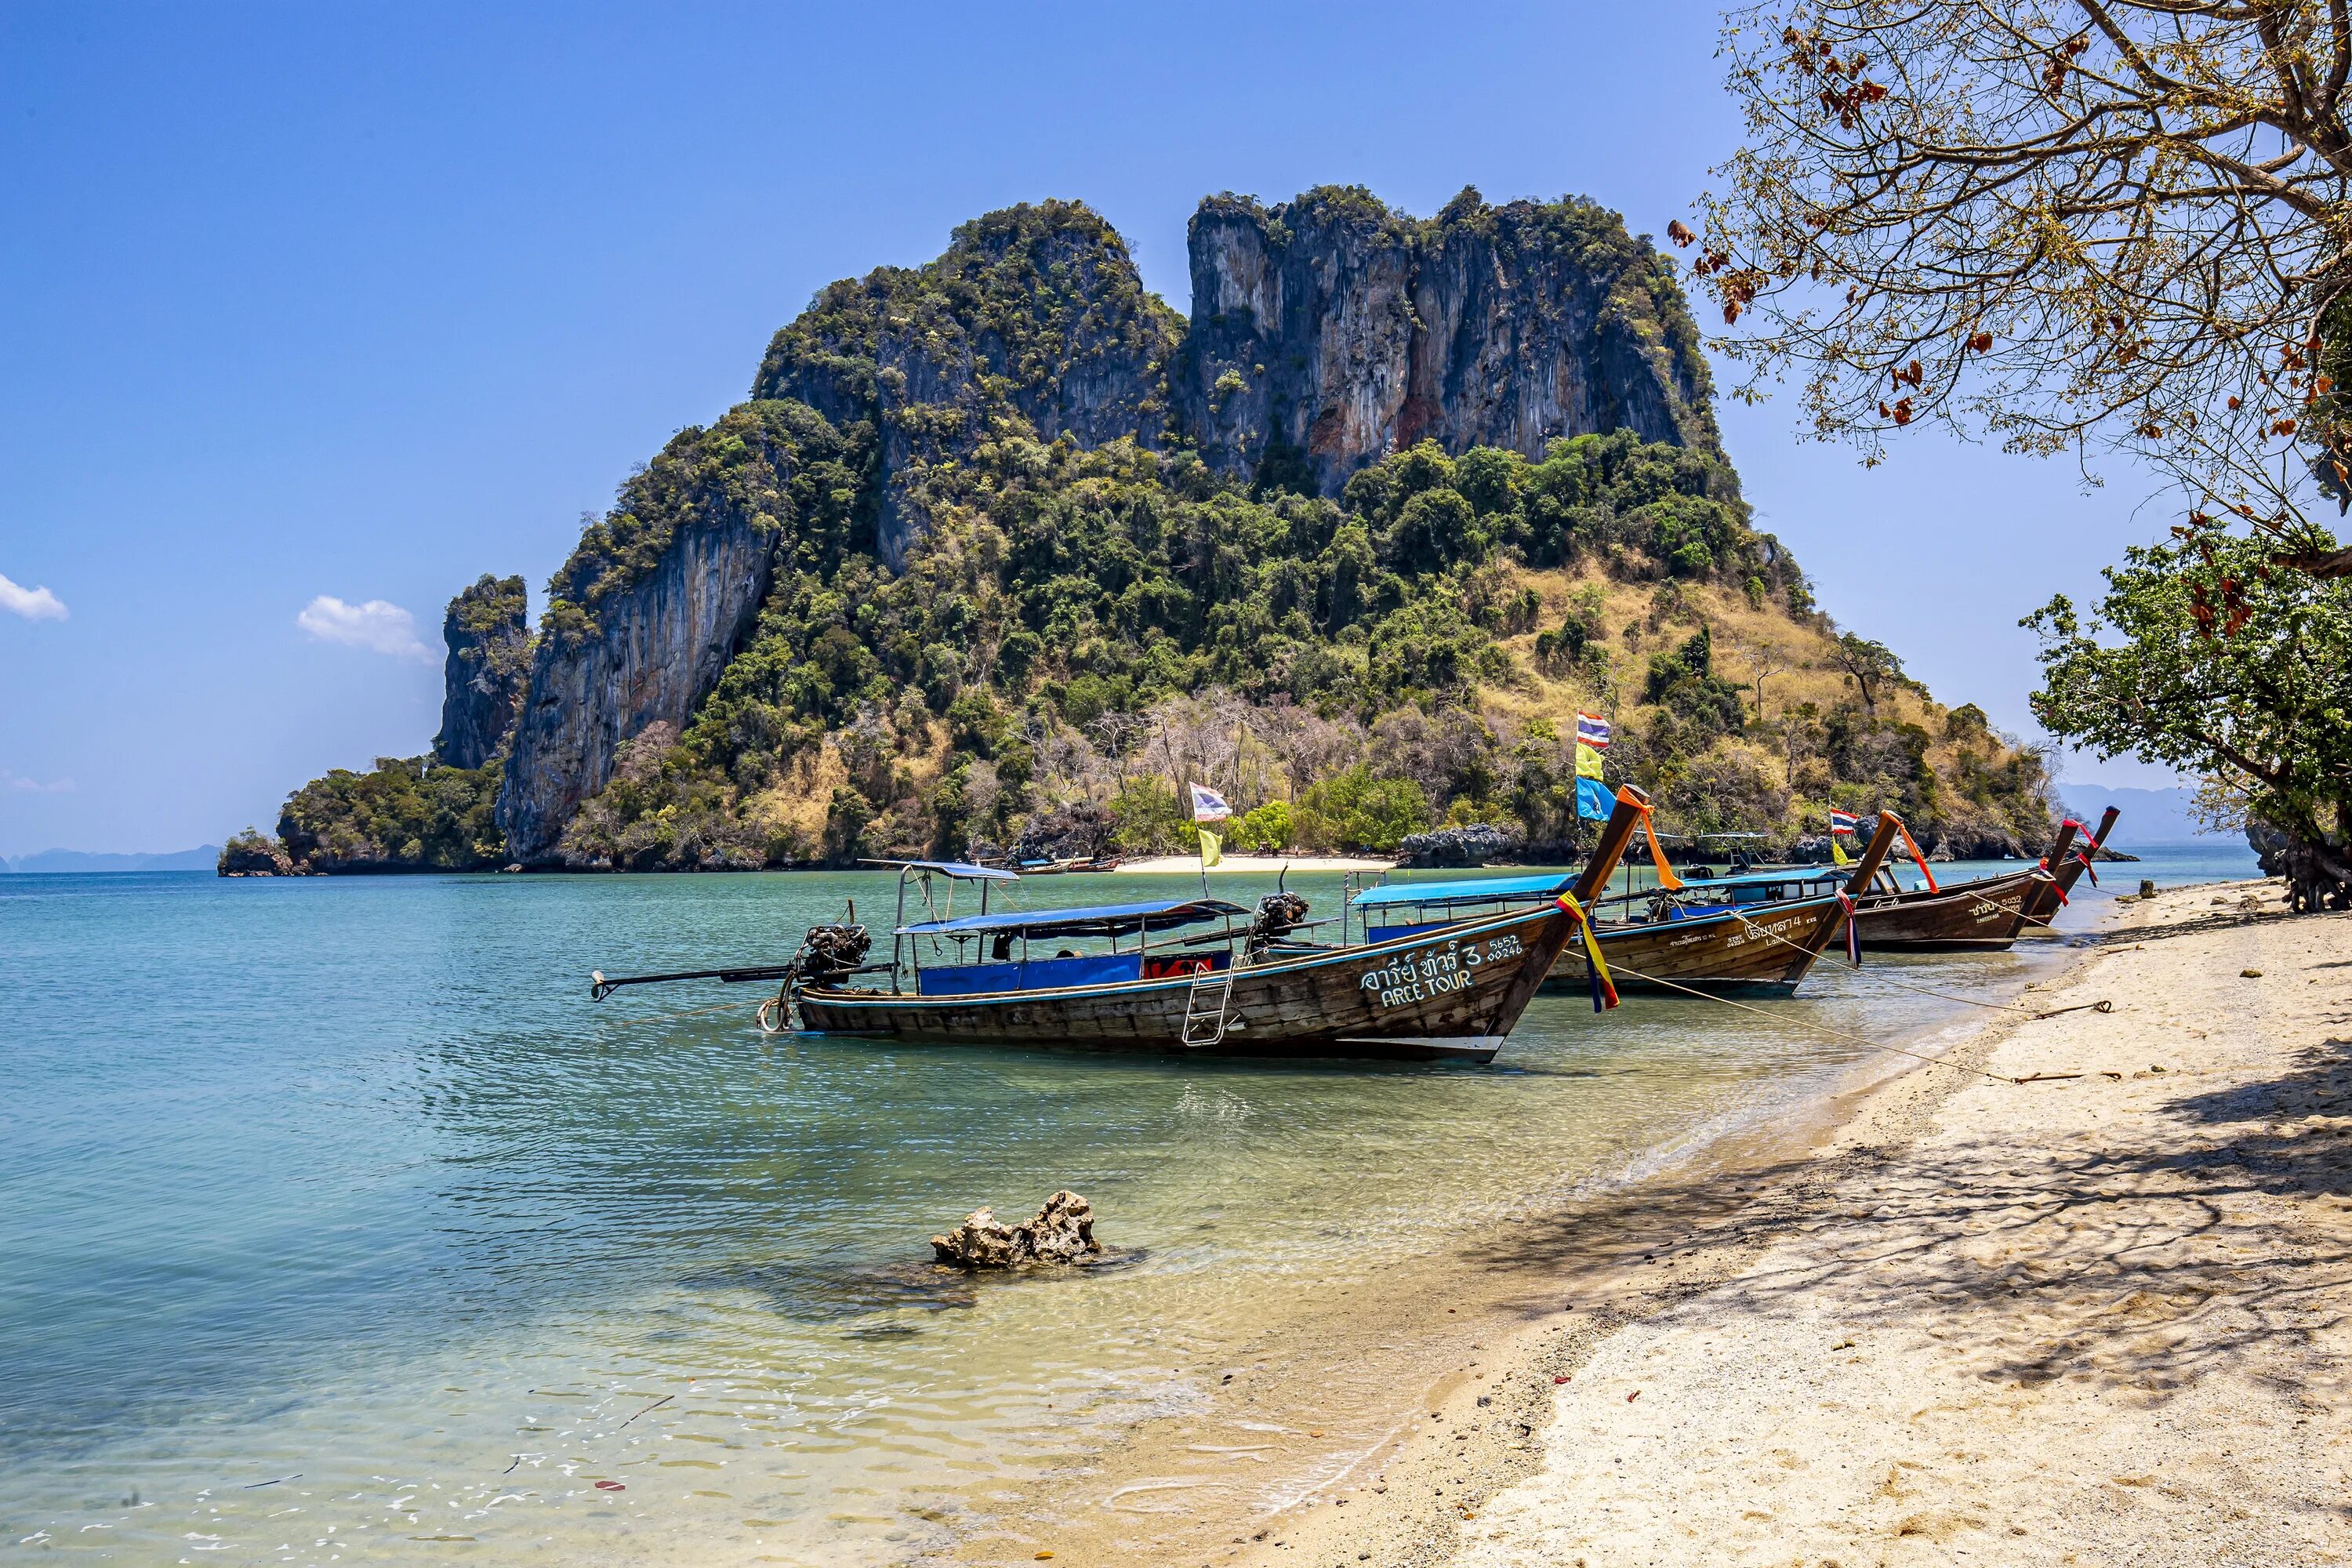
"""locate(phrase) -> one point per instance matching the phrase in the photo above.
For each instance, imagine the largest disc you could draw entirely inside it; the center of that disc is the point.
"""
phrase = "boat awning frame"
(1485, 890)
(955, 869)
(1101, 919)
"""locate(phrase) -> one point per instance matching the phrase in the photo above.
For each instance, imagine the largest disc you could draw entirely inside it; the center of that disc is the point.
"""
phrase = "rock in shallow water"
(1063, 1232)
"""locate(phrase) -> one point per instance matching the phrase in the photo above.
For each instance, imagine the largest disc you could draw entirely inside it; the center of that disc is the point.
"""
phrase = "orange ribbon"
(1916, 858)
(1666, 877)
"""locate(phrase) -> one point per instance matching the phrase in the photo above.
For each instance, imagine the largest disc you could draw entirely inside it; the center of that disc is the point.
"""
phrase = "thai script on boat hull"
(1420, 973)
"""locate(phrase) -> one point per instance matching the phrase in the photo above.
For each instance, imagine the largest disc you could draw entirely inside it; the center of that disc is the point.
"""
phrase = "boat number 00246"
(1433, 971)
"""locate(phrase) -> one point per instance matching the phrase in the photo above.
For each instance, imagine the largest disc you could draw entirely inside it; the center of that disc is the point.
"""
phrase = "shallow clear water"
(339, 1224)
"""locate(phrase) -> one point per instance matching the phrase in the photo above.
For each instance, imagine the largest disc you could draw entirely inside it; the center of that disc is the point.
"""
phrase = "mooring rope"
(1848, 1035)
(1921, 989)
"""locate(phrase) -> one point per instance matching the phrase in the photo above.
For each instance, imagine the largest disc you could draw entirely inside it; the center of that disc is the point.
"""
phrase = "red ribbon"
(1853, 932)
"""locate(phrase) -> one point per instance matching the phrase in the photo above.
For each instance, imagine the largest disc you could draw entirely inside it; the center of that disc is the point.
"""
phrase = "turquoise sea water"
(339, 1225)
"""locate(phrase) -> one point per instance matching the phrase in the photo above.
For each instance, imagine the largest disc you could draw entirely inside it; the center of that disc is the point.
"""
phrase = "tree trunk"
(2318, 872)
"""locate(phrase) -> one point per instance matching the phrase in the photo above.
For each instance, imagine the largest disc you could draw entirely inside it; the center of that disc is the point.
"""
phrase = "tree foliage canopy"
(2066, 223)
(2225, 665)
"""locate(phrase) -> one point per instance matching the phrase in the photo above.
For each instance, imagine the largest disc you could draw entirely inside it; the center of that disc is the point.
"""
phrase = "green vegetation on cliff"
(1009, 598)
(407, 814)
(1083, 624)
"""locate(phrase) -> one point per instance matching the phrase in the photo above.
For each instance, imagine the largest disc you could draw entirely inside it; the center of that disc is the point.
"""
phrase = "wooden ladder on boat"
(1204, 1006)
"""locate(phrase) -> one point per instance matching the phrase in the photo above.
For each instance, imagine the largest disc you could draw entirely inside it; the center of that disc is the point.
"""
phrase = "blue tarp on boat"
(957, 868)
(1483, 890)
(1051, 974)
(1102, 920)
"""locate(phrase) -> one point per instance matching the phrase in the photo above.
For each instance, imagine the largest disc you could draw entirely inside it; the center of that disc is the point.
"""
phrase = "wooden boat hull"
(1980, 916)
(1764, 951)
(1761, 949)
(2042, 904)
(1450, 994)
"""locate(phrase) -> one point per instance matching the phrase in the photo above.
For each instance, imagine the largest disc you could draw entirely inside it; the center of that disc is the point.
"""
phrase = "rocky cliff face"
(656, 649)
(1328, 330)
(662, 591)
(1035, 319)
(488, 630)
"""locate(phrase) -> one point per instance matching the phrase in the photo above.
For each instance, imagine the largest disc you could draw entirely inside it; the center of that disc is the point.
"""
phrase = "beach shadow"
(2136, 1270)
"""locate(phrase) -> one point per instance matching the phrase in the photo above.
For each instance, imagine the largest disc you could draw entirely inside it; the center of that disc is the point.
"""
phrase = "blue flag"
(1594, 800)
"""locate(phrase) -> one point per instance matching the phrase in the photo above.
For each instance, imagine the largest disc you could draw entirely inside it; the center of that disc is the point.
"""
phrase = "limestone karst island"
(1002, 551)
(759, 806)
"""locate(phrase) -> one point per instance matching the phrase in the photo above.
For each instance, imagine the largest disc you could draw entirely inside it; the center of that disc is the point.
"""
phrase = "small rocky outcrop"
(488, 630)
(1474, 844)
(1063, 1232)
(253, 853)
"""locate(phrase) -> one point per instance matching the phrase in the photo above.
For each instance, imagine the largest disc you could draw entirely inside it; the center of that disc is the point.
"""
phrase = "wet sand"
(2084, 1319)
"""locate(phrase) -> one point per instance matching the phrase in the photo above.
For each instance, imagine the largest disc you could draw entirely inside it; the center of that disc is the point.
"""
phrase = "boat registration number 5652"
(1423, 973)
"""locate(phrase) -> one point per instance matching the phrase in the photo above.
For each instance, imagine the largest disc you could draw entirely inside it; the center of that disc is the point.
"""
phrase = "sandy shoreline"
(2087, 1318)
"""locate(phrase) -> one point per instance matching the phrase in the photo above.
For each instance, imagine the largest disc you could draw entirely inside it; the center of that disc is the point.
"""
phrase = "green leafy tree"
(405, 813)
(1358, 809)
(1267, 826)
(2202, 656)
(1149, 820)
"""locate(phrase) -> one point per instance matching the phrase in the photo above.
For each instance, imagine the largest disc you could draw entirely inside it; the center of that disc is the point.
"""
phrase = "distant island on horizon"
(1002, 551)
(204, 858)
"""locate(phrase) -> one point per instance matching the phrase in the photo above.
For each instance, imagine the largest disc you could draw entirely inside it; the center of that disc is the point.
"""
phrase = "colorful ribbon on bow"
(1916, 858)
(1853, 932)
(1666, 877)
(1604, 990)
(2085, 829)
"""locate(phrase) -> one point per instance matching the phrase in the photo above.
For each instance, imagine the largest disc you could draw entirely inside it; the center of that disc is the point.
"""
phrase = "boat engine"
(1279, 914)
(831, 952)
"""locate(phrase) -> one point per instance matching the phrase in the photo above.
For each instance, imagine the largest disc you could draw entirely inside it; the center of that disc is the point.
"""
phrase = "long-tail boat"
(1666, 940)
(1018, 978)
(2065, 865)
(1985, 914)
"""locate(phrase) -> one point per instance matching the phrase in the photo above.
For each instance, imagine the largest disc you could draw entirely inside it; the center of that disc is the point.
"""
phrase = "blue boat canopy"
(1483, 890)
(1102, 920)
(951, 867)
(1765, 879)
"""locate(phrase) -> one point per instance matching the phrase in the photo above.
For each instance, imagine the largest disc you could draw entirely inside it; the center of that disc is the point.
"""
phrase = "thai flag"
(1208, 805)
(1844, 822)
(1592, 731)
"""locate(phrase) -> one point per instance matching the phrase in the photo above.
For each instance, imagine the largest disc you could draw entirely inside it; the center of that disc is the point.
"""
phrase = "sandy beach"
(2095, 1317)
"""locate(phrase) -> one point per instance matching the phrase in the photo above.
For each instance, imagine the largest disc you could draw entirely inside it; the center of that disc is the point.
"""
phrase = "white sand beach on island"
(2099, 1317)
(1266, 865)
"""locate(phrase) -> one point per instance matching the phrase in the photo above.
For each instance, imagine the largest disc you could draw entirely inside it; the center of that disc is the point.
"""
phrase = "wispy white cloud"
(377, 626)
(34, 787)
(32, 603)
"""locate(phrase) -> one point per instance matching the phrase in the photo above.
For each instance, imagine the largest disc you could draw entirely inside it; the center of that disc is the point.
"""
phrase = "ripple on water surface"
(340, 1225)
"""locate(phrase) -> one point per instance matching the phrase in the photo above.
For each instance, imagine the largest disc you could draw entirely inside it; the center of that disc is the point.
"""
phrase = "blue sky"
(356, 303)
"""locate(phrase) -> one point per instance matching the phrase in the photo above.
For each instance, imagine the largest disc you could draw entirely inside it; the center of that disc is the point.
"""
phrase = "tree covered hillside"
(1001, 598)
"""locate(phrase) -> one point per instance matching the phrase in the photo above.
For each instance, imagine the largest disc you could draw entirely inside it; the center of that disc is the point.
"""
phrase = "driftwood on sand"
(1063, 1232)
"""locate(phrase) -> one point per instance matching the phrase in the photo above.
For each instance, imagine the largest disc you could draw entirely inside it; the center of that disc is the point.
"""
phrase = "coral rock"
(1063, 1232)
